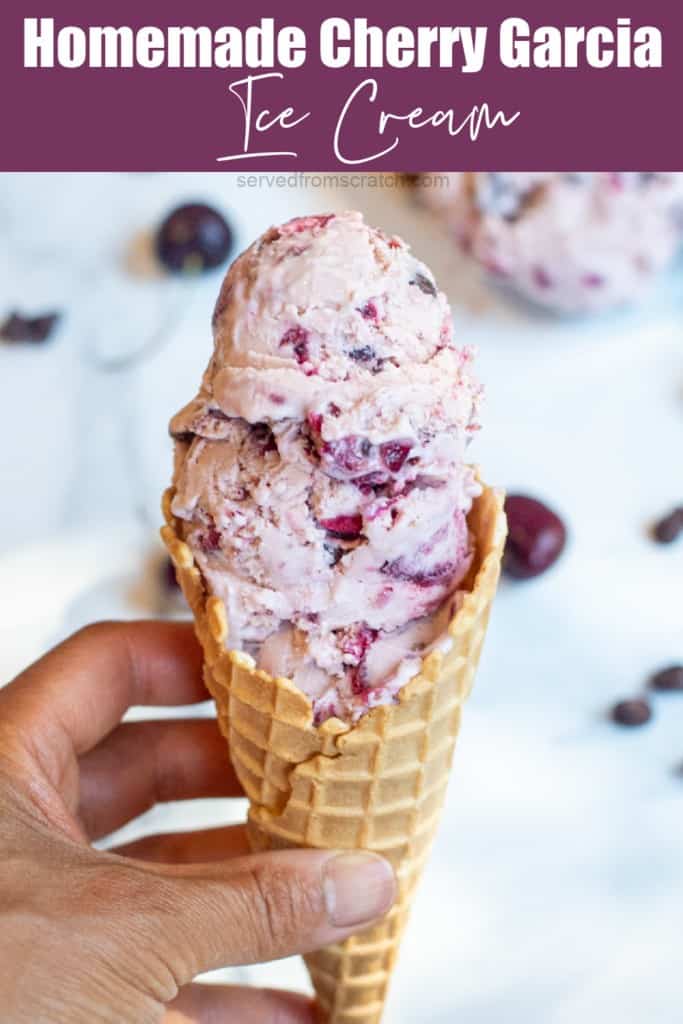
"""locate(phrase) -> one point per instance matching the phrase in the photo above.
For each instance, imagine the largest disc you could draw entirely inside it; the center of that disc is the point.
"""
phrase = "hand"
(117, 936)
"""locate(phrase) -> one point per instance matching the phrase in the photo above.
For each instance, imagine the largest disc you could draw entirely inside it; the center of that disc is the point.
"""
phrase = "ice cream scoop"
(572, 242)
(320, 476)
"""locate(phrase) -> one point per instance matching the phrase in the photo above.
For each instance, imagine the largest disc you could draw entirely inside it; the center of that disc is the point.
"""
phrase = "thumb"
(256, 908)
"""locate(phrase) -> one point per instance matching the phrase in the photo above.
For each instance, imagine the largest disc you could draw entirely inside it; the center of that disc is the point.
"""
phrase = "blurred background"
(555, 890)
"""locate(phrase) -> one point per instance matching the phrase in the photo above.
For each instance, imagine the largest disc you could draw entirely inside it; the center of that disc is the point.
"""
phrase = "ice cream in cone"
(339, 556)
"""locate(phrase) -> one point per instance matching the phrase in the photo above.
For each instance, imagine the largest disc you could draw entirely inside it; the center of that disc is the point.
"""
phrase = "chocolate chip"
(26, 328)
(334, 552)
(669, 528)
(184, 436)
(499, 195)
(362, 355)
(424, 284)
(264, 438)
(168, 576)
(631, 712)
(668, 680)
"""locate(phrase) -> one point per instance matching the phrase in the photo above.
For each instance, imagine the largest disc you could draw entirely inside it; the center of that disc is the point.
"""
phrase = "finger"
(76, 694)
(199, 847)
(254, 908)
(219, 1004)
(141, 764)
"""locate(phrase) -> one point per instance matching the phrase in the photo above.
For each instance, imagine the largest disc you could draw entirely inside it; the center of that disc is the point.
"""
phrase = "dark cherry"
(424, 284)
(369, 311)
(210, 540)
(370, 481)
(536, 537)
(355, 644)
(631, 712)
(343, 527)
(315, 421)
(668, 529)
(264, 438)
(358, 677)
(400, 569)
(28, 328)
(394, 453)
(193, 238)
(297, 337)
(357, 640)
(668, 680)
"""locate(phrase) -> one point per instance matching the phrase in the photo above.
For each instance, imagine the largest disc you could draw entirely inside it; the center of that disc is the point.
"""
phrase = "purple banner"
(430, 86)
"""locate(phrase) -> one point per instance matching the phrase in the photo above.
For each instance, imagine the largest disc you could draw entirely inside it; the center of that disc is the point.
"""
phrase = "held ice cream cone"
(378, 784)
(339, 554)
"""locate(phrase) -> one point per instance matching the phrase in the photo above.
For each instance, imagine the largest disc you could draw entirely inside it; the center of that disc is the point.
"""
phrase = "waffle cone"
(378, 784)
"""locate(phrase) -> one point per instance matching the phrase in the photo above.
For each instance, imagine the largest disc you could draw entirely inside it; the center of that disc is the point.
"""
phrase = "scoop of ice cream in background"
(320, 475)
(572, 242)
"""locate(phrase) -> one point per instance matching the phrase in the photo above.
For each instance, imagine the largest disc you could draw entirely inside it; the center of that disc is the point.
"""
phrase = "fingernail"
(358, 887)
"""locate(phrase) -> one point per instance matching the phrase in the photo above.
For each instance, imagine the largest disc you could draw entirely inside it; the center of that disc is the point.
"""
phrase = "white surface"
(555, 891)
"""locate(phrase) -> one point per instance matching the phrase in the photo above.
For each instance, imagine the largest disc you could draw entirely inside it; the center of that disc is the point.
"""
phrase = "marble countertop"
(555, 891)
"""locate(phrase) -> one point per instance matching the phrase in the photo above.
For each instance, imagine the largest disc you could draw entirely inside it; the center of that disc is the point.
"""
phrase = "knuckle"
(283, 905)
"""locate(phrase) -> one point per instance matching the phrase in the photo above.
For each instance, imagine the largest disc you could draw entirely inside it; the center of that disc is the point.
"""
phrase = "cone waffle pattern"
(378, 784)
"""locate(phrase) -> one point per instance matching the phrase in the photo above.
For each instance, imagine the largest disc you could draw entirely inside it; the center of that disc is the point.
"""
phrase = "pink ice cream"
(320, 473)
(573, 242)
